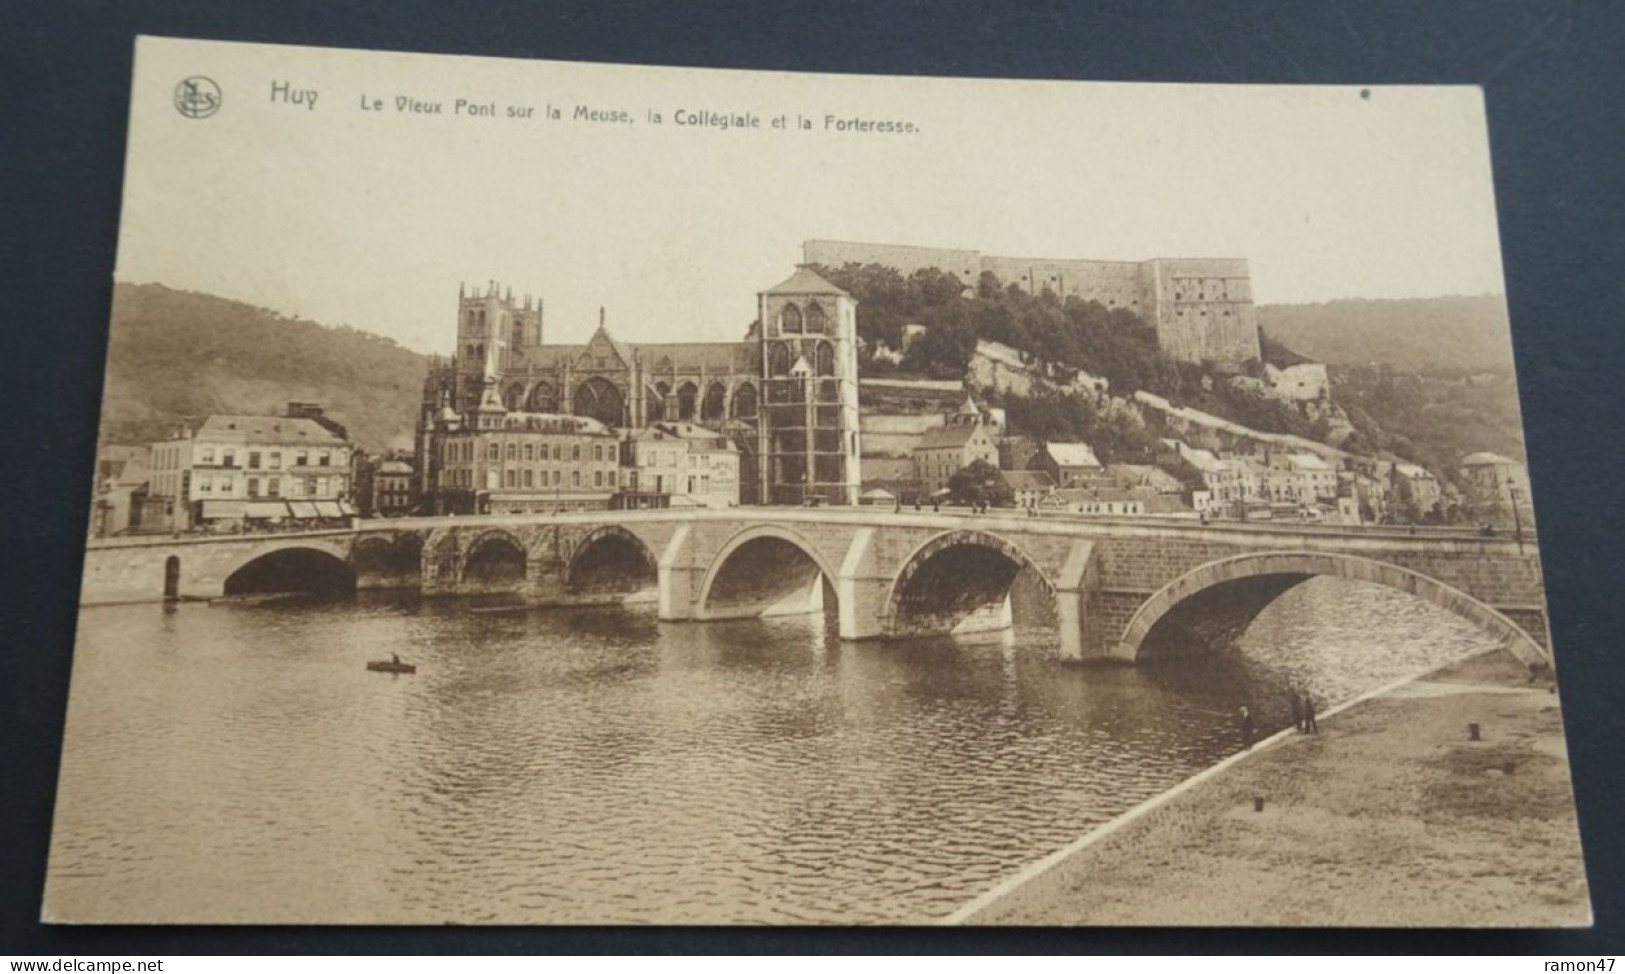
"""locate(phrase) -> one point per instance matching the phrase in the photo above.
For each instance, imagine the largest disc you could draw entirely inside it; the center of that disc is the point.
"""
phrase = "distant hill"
(177, 356)
(1455, 333)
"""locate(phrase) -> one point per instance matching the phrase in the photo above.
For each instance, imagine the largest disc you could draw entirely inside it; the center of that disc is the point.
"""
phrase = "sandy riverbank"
(1389, 817)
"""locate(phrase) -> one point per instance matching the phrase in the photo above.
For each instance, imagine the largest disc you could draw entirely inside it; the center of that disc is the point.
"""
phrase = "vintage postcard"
(554, 493)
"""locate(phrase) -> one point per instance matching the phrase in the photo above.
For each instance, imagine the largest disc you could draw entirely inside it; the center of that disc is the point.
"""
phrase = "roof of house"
(1028, 479)
(1072, 454)
(1074, 495)
(1412, 471)
(1144, 474)
(938, 437)
(268, 429)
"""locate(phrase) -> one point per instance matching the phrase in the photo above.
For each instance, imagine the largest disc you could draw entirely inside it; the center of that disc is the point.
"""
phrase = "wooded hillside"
(177, 356)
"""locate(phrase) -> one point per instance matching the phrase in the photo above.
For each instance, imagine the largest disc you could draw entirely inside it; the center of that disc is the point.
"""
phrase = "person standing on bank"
(1296, 703)
(1309, 725)
(1246, 717)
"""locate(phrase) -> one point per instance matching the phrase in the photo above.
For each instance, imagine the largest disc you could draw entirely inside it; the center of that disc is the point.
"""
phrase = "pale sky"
(372, 218)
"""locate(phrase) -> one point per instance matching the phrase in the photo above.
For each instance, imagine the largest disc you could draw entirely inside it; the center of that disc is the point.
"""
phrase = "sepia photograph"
(535, 492)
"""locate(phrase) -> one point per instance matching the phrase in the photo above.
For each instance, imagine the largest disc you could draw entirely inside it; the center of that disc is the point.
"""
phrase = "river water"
(239, 764)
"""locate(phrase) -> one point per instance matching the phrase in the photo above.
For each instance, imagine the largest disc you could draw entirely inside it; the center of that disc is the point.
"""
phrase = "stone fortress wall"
(1201, 308)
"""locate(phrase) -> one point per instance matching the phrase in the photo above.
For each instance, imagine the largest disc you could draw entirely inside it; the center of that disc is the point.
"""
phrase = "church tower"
(807, 436)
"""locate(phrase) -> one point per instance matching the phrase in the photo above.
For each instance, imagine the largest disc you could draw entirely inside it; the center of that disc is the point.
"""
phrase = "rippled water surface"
(239, 764)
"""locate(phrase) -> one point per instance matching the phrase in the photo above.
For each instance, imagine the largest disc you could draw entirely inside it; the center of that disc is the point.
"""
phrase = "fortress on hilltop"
(1201, 308)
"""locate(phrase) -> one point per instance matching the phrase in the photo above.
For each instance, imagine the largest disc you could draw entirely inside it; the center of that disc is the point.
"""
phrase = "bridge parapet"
(1101, 572)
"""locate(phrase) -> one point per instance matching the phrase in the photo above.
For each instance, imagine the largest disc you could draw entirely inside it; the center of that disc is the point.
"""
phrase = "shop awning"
(267, 509)
(219, 509)
(328, 509)
(303, 509)
(346, 509)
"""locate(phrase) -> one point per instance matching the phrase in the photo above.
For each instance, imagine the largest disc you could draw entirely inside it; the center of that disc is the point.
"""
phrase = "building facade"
(678, 465)
(965, 437)
(497, 461)
(235, 470)
(786, 396)
(1068, 464)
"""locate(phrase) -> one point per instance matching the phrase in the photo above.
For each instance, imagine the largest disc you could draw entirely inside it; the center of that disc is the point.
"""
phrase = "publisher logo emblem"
(197, 97)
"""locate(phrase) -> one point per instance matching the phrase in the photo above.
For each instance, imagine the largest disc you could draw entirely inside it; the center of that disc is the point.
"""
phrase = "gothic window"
(815, 319)
(543, 398)
(826, 359)
(518, 333)
(716, 398)
(790, 319)
(515, 399)
(778, 359)
(745, 402)
(688, 395)
(599, 398)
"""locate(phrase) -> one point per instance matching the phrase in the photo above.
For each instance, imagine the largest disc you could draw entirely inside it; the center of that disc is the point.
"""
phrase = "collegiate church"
(787, 395)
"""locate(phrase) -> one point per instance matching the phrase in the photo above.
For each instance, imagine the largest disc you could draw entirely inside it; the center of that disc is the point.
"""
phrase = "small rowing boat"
(390, 666)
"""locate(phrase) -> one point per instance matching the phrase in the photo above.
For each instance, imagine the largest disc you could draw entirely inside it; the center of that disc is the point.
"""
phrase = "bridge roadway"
(1117, 587)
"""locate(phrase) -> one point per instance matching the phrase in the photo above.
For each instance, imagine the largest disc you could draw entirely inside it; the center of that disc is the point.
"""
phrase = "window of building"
(273, 487)
(296, 487)
(597, 453)
(207, 454)
(612, 478)
(513, 452)
(301, 459)
(274, 461)
(321, 487)
(494, 452)
(205, 485)
(325, 460)
(253, 487)
(558, 451)
(530, 451)
(253, 459)
(575, 478)
(510, 478)
(598, 478)
(529, 477)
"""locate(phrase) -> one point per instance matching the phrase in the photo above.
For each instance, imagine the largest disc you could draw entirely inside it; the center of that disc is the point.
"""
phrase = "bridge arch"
(302, 565)
(494, 557)
(386, 558)
(1226, 595)
(764, 570)
(959, 581)
(611, 560)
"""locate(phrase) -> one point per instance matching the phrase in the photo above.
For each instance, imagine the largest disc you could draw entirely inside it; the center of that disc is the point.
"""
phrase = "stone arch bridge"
(1117, 588)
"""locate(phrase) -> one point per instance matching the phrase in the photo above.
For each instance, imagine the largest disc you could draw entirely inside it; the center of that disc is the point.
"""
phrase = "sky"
(372, 217)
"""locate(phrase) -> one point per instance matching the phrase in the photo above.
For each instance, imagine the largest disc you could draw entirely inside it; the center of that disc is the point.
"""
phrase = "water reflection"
(600, 766)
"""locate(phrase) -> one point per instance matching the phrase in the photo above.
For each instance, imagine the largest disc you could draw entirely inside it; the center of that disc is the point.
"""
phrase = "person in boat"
(395, 658)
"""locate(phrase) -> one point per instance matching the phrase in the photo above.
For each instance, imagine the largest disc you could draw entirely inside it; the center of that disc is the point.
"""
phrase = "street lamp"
(1517, 519)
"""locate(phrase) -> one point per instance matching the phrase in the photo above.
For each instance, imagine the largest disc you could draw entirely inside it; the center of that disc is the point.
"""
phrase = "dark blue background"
(1554, 89)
